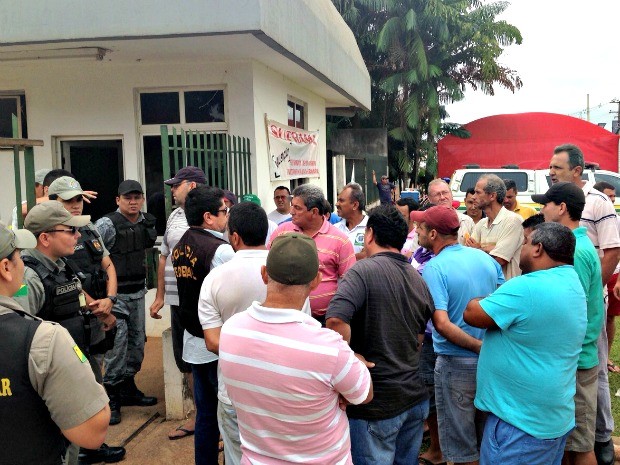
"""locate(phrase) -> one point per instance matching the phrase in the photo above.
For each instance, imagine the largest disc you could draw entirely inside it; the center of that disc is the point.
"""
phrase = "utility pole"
(617, 102)
(587, 107)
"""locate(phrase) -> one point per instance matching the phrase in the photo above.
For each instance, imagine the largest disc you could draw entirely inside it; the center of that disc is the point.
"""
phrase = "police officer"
(47, 388)
(96, 272)
(127, 233)
(54, 290)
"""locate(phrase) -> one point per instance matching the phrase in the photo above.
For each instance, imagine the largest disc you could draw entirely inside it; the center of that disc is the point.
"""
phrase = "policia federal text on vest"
(128, 252)
(62, 301)
(32, 436)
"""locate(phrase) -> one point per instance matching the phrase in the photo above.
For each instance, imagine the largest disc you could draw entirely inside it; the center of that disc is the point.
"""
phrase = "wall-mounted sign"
(293, 153)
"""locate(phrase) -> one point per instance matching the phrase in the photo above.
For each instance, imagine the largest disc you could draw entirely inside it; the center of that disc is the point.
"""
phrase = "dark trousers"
(207, 434)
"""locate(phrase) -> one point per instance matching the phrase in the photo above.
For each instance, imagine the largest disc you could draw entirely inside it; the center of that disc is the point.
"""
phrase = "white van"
(528, 182)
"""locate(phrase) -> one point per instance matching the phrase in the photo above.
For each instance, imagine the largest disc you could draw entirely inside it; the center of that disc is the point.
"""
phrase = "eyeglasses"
(72, 230)
(224, 210)
(281, 197)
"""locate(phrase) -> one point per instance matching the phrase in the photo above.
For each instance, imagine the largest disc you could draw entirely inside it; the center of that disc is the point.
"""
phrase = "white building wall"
(84, 99)
(271, 92)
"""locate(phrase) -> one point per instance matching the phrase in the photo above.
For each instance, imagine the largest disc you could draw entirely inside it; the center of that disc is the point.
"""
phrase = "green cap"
(65, 187)
(47, 215)
(17, 239)
(293, 259)
(250, 198)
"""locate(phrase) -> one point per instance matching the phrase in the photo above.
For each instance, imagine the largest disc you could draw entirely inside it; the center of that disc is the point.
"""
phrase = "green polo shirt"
(588, 268)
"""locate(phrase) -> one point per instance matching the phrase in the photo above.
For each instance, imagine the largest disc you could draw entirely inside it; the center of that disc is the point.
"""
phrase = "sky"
(570, 49)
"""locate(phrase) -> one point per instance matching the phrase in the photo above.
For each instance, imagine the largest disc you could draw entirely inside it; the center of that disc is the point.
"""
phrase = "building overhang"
(305, 40)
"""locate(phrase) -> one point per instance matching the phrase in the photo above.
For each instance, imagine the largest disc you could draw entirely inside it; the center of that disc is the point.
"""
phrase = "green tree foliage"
(422, 55)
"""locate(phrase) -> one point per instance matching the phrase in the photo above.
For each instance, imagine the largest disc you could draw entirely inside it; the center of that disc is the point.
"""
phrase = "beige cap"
(46, 215)
(65, 187)
(18, 239)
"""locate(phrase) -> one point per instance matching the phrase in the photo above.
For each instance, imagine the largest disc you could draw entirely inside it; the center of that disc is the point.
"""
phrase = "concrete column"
(178, 396)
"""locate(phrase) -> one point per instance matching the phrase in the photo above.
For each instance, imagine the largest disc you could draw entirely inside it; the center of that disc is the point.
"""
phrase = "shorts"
(581, 438)
(614, 304)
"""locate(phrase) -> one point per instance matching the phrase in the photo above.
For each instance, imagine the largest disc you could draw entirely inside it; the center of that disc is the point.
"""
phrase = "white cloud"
(569, 50)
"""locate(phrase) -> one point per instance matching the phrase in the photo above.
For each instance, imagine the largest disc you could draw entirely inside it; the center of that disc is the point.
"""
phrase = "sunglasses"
(72, 230)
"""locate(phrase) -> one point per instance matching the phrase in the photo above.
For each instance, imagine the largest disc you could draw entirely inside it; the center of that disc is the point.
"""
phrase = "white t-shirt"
(278, 217)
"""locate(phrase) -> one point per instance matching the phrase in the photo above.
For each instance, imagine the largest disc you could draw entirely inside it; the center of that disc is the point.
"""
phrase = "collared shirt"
(355, 234)
(194, 348)
(336, 256)
(175, 228)
(524, 211)
(63, 379)
(466, 227)
(599, 217)
(284, 374)
(505, 234)
(34, 301)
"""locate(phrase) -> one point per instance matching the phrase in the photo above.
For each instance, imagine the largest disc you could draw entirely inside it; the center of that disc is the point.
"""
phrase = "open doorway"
(98, 166)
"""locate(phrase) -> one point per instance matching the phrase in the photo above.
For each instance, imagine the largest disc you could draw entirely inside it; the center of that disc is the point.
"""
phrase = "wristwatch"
(113, 298)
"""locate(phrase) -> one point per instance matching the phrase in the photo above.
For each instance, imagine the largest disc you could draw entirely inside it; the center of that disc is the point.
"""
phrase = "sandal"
(184, 433)
(612, 367)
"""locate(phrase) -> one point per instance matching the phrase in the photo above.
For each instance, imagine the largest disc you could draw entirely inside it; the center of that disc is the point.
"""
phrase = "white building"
(98, 78)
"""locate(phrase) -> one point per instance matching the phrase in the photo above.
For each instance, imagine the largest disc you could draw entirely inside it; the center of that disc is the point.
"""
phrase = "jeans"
(505, 444)
(227, 419)
(206, 434)
(604, 419)
(459, 425)
(394, 440)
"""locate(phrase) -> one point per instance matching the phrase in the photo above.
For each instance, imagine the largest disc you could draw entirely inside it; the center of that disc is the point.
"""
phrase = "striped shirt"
(175, 228)
(599, 218)
(336, 256)
(284, 374)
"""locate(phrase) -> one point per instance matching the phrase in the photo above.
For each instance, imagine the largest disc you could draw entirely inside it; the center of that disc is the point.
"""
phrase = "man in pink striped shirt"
(336, 254)
(285, 375)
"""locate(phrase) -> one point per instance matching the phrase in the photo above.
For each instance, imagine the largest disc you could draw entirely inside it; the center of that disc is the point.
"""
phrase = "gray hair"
(357, 194)
(312, 196)
(575, 155)
(494, 185)
(434, 182)
(557, 240)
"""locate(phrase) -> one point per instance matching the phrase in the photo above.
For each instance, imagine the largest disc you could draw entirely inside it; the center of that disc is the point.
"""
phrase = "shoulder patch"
(80, 354)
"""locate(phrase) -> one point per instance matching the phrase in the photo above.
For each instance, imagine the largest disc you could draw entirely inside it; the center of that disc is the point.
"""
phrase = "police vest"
(62, 300)
(29, 435)
(191, 260)
(128, 252)
(87, 261)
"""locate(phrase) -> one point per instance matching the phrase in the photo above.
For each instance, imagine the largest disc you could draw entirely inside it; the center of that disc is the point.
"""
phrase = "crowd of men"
(311, 342)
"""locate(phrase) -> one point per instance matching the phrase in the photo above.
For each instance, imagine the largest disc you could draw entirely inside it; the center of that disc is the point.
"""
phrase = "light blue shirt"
(455, 276)
(527, 366)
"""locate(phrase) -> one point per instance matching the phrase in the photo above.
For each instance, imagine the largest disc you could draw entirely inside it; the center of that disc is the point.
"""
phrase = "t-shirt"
(356, 234)
(387, 304)
(284, 374)
(505, 233)
(336, 256)
(385, 192)
(524, 211)
(454, 277)
(278, 217)
(175, 228)
(527, 366)
(588, 268)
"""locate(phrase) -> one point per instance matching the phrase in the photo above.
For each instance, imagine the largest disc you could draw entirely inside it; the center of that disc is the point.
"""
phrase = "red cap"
(441, 218)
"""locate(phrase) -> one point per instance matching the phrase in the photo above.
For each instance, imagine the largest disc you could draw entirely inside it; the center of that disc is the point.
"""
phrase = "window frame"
(297, 102)
(17, 96)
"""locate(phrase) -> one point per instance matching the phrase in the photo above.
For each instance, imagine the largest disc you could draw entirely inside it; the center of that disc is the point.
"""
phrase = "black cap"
(128, 186)
(566, 192)
(188, 173)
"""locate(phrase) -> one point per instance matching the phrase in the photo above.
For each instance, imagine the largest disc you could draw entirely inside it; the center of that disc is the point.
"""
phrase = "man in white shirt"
(282, 198)
(221, 298)
(350, 207)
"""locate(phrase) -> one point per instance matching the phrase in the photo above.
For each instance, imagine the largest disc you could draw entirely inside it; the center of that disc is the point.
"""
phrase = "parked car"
(528, 181)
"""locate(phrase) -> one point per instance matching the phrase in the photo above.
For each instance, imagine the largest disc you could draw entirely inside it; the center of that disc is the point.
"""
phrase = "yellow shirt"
(525, 212)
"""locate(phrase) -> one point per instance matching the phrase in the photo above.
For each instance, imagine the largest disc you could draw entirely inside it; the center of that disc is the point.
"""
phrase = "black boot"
(115, 403)
(604, 452)
(131, 395)
(105, 454)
